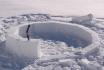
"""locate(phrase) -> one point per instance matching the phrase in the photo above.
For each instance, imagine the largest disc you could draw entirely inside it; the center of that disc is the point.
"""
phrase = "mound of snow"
(85, 20)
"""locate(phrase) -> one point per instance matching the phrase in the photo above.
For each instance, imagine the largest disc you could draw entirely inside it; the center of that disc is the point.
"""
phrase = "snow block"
(83, 19)
(21, 46)
(17, 41)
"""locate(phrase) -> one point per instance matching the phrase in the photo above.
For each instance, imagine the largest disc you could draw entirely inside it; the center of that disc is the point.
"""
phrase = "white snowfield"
(54, 7)
(17, 42)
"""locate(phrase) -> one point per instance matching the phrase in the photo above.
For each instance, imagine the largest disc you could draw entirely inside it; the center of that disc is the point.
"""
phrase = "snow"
(87, 63)
(53, 32)
(83, 19)
(11, 15)
(84, 61)
(57, 55)
(63, 7)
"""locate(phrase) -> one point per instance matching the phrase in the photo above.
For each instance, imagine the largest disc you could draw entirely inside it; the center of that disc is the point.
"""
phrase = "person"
(27, 32)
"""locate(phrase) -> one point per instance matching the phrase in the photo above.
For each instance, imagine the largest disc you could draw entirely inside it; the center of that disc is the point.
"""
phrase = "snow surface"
(11, 8)
(53, 33)
(57, 7)
(67, 61)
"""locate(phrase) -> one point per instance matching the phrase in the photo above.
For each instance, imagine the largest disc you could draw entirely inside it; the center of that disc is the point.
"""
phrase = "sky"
(57, 7)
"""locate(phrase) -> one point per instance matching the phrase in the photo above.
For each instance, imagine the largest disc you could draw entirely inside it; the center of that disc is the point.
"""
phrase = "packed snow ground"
(57, 58)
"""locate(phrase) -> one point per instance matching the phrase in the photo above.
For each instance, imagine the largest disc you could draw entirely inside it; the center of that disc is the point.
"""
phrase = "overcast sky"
(60, 7)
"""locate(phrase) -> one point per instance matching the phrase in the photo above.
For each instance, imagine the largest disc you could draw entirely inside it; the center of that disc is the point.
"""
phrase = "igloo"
(54, 30)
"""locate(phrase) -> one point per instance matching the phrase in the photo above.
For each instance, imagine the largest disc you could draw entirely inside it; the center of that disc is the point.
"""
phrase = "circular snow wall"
(50, 30)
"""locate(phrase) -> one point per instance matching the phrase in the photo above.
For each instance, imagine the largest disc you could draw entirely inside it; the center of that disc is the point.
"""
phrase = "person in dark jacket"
(27, 32)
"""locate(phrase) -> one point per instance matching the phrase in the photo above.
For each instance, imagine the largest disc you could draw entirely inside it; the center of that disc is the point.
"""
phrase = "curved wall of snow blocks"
(18, 43)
